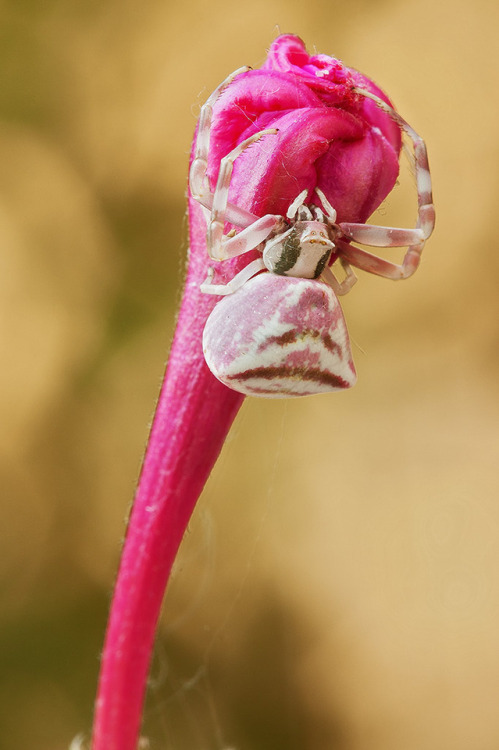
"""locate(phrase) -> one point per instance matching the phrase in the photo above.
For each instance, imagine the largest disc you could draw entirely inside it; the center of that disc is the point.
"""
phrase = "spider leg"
(220, 246)
(330, 211)
(296, 204)
(199, 183)
(369, 234)
(234, 284)
(374, 264)
(340, 287)
(198, 177)
(378, 236)
(426, 210)
(255, 229)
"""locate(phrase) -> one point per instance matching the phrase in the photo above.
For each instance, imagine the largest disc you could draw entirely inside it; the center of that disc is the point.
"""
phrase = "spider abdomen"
(278, 337)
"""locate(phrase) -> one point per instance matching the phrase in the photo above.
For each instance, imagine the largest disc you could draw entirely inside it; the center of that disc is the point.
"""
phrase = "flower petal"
(271, 176)
(356, 176)
(250, 96)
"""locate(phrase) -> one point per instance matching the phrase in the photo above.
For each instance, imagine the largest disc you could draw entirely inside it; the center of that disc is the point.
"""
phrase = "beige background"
(339, 585)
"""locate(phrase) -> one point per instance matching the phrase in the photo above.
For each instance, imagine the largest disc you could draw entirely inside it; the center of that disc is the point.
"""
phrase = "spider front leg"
(340, 287)
(221, 246)
(239, 280)
(378, 236)
(199, 183)
(255, 229)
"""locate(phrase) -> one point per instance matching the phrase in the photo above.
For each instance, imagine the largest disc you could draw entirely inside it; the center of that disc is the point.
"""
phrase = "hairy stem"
(193, 416)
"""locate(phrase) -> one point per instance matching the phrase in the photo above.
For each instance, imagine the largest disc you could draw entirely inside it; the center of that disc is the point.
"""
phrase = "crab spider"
(282, 333)
(301, 243)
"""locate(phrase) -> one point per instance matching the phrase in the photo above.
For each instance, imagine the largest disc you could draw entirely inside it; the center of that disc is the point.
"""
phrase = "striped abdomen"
(279, 336)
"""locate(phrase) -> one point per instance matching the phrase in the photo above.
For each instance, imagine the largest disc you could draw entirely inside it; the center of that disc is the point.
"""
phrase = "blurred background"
(338, 588)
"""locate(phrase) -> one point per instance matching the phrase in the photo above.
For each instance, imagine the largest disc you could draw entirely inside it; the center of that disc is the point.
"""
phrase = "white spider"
(301, 243)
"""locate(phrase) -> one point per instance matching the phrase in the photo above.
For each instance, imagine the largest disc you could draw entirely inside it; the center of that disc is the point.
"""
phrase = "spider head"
(313, 233)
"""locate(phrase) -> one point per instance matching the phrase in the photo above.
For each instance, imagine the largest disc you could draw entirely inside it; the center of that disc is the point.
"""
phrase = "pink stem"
(193, 416)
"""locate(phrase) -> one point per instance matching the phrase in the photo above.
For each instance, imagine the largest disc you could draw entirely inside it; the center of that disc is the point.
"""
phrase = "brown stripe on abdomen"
(291, 337)
(279, 372)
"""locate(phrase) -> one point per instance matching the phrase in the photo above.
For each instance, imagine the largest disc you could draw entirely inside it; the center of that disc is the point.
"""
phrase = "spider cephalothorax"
(279, 349)
(304, 249)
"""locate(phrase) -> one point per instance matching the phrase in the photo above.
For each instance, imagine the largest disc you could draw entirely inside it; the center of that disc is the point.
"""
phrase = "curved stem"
(193, 416)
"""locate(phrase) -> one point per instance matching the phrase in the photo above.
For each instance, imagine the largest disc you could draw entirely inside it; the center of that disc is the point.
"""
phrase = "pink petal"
(250, 96)
(333, 81)
(285, 164)
(356, 176)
